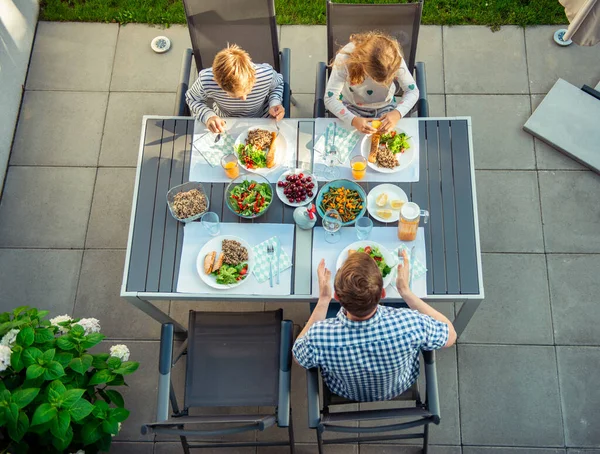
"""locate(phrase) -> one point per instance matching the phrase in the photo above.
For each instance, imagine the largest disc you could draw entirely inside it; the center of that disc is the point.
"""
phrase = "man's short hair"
(358, 284)
(233, 70)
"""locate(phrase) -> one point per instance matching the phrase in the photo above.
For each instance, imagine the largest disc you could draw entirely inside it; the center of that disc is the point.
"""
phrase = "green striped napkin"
(261, 260)
(418, 268)
(345, 141)
(211, 151)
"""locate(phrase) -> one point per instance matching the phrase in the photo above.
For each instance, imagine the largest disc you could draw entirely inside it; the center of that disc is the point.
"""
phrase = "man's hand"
(324, 281)
(216, 124)
(389, 120)
(403, 274)
(364, 125)
(277, 112)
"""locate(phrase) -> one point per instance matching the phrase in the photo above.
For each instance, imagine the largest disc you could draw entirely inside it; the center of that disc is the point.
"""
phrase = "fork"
(270, 253)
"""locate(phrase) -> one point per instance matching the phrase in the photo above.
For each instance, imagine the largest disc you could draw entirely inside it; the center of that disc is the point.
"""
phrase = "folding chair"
(215, 23)
(420, 414)
(233, 360)
(400, 20)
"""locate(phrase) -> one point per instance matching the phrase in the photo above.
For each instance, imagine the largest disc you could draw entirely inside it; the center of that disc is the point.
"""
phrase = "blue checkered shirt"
(371, 360)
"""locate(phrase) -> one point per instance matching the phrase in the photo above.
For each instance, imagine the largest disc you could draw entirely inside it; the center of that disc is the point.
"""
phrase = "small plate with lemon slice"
(384, 202)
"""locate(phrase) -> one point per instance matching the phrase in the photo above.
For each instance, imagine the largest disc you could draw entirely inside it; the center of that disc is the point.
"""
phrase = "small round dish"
(394, 193)
(184, 188)
(160, 44)
(347, 184)
(283, 197)
(247, 180)
(404, 159)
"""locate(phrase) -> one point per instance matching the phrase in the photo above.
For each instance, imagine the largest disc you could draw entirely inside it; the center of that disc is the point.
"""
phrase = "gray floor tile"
(430, 51)
(121, 139)
(569, 201)
(499, 450)
(437, 105)
(46, 207)
(548, 62)
(578, 373)
(310, 449)
(516, 309)
(138, 68)
(583, 451)
(514, 150)
(72, 56)
(98, 296)
(175, 448)
(59, 128)
(504, 390)
(309, 46)
(574, 289)
(477, 60)
(132, 448)
(509, 211)
(43, 278)
(111, 208)
(401, 449)
(304, 107)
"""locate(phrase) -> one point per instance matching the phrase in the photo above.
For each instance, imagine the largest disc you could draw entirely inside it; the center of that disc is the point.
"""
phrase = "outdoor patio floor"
(524, 374)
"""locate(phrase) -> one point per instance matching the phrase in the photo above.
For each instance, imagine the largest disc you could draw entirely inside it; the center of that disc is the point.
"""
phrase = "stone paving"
(524, 376)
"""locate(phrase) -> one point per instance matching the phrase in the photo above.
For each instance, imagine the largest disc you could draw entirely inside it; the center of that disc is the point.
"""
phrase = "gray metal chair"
(421, 414)
(233, 360)
(215, 23)
(400, 20)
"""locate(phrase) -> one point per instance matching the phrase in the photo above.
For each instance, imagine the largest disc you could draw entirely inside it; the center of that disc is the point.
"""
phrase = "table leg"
(150, 309)
(464, 315)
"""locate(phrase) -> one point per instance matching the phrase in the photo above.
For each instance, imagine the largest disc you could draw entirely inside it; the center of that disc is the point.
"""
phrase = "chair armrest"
(431, 383)
(320, 84)
(312, 391)
(422, 104)
(165, 360)
(285, 373)
(181, 108)
(286, 58)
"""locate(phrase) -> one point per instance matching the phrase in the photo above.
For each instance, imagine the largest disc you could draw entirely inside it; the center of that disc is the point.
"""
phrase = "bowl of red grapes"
(297, 187)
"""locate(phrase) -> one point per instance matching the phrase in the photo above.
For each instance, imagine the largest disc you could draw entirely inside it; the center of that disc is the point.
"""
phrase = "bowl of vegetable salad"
(249, 196)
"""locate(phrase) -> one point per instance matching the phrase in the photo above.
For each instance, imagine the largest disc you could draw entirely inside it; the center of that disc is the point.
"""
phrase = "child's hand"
(389, 120)
(324, 276)
(216, 124)
(364, 125)
(277, 112)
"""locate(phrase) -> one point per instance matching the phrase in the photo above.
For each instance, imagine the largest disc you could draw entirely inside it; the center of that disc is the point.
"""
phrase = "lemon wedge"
(381, 199)
(384, 214)
(376, 124)
(396, 204)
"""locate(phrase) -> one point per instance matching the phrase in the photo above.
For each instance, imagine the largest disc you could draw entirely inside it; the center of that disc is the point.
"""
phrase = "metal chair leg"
(184, 442)
(291, 435)
(425, 438)
(320, 441)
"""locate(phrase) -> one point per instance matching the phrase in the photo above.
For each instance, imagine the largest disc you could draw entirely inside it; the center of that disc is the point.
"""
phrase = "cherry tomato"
(244, 271)
(368, 249)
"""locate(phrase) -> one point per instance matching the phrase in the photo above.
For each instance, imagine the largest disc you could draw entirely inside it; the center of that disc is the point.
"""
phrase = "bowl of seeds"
(188, 201)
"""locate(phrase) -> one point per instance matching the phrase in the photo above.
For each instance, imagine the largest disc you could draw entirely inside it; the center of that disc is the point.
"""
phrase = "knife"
(278, 255)
(411, 271)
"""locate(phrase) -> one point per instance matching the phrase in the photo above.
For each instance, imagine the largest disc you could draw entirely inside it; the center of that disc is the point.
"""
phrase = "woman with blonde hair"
(361, 87)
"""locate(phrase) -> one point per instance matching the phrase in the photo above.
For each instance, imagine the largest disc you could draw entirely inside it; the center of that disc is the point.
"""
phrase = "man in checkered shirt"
(369, 352)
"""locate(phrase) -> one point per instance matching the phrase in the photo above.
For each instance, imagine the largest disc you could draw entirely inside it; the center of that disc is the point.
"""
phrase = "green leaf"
(5, 396)
(41, 428)
(115, 397)
(117, 381)
(42, 314)
(18, 430)
(31, 356)
(71, 397)
(99, 361)
(81, 365)
(64, 358)
(79, 381)
(25, 336)
(90, 432)
(110, 426)
(128, 367)
(92, 339)
(43, 335)
(60, 424)
(4, 317)
(19, 309)
(99, 411)
(56, 390)
(12, 413)
(48, 355)
(16, 362)
(119, 414)
(53, 371)
(62, 445)
(23, 397)
(104, 442)
(43, 414)
(34, 383)
(80, 409)
(114, 362)
(34, 371)
(77, 331)
(102, 376)
(64, 343)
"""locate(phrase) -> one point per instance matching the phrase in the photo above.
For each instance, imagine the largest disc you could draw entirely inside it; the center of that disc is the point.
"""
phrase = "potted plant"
(56, 397)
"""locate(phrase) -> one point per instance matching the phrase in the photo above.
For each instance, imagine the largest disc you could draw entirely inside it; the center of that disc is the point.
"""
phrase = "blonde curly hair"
(233, 70)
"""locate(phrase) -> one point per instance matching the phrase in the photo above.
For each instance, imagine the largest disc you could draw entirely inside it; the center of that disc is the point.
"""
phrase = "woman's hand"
(364, 125)
(389, 120)
(216, 124)
(324, 276)
(277, 112)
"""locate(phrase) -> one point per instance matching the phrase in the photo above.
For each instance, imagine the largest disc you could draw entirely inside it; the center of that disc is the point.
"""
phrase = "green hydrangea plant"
(56, 397)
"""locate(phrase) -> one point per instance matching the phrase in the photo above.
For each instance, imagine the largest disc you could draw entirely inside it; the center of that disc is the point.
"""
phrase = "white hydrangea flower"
(90, 325)
(10, 337)
(61, 318)
(81, 451)
(118, 430)
(120, 351)
(5, 352)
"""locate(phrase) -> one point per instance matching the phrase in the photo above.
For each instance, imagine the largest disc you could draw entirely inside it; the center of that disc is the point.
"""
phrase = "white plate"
(404, 159)
(394, 193)
(282, 196)
(215, 245)
(280, 154)
(387, 256)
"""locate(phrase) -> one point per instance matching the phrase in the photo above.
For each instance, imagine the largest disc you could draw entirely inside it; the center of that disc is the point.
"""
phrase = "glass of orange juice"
(359, 167)
(230, 165)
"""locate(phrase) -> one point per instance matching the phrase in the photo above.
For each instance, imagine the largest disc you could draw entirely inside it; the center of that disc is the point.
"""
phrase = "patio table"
(446, 187)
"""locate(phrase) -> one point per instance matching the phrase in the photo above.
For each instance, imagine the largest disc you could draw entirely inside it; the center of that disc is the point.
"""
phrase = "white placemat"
(386, 236)
(195, 236)
(201, 170)
(411, 174)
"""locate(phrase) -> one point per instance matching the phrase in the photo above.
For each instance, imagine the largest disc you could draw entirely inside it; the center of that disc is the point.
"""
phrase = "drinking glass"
(358, 164)
(230, 165)
(332, 223)
(364, 225)
(331, 157)
(210, 221)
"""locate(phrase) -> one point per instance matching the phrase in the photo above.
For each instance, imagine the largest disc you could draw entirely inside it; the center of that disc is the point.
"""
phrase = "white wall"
(17, 26)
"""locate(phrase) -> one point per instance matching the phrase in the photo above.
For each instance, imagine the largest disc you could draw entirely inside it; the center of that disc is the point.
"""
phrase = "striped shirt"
(374, 359)
(206, 99)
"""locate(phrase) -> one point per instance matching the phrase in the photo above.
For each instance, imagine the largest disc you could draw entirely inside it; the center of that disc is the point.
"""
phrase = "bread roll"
(271, 153)
(374, 148)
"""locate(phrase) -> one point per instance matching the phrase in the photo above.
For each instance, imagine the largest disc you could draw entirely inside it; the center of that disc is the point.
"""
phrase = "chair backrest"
(248, 23)
(400, 20)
